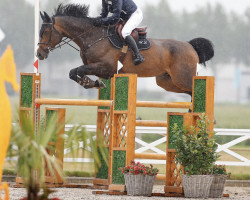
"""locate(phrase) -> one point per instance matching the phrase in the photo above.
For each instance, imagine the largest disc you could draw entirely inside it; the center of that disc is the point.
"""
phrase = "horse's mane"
(74, 10)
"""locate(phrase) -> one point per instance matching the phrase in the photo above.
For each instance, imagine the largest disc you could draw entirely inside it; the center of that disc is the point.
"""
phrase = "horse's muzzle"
(41, 54)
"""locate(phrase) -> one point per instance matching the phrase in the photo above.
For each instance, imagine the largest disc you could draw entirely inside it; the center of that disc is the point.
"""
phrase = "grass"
(78, 174)
(232, 116)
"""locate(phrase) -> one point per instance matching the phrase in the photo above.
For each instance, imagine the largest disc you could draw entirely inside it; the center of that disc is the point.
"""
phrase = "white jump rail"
(242, 135)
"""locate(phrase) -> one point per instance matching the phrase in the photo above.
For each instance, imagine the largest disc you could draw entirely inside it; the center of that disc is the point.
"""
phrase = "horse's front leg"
(79, 75)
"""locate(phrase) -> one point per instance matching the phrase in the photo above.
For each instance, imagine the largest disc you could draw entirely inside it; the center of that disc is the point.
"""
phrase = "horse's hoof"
(89, 85)
(99, 84)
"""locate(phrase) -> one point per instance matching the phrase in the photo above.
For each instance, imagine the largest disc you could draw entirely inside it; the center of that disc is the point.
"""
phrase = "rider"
(124, 10)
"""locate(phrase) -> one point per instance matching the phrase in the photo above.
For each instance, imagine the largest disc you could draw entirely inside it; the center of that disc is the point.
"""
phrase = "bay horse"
(172, 62)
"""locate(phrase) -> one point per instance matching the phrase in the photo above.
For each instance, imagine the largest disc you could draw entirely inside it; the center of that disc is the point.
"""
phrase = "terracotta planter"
(139, 185)
(196, 186)
(218, 184)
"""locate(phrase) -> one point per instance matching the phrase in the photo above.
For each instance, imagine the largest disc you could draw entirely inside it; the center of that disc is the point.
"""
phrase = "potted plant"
(32, 153)
(139, 179)
(220, 176)
(196, 152)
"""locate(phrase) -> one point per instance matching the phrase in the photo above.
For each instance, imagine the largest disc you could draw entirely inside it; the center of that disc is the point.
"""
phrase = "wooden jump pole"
(151, 123)
(150, 156)
(153, 104)
(73, 102)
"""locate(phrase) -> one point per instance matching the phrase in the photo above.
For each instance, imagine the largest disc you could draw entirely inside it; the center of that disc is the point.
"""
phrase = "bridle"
(62, 43)
(67, 40)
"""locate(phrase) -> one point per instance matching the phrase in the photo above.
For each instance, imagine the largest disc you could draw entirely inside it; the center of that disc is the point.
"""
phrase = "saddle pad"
(114, 38)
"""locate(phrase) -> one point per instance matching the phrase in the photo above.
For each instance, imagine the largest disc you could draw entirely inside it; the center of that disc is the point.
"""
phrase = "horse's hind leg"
(166, 82)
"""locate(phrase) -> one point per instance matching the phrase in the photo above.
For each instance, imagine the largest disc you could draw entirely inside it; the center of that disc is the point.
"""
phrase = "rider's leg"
(137, 57)
(131, 24)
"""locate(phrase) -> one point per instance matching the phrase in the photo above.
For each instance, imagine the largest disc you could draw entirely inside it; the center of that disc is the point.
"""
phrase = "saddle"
(136, 33)
(139, 34)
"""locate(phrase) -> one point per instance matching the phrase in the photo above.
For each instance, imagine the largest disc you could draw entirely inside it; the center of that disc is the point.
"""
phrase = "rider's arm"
(117, 5)
(105, 10)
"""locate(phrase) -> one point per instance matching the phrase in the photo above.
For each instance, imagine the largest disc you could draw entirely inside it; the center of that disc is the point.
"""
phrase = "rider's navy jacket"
(120, 8)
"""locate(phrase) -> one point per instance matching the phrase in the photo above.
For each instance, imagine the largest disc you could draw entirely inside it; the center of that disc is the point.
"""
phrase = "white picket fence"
(242, 135)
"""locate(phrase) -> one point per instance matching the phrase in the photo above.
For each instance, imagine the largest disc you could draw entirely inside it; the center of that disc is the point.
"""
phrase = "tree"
(162, 12)
(228, 32)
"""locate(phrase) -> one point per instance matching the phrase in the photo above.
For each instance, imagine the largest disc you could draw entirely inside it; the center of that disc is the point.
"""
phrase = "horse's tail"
(204, 49)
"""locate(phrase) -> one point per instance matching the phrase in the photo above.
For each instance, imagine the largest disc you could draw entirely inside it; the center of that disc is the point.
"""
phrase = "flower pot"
(196, 186)
(218, 184)
(139, 185)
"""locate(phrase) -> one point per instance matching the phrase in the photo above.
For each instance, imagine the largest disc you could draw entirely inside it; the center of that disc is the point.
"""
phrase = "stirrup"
(138, 59)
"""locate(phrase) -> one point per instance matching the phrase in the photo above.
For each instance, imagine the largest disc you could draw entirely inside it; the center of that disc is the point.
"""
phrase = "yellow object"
(7, 74)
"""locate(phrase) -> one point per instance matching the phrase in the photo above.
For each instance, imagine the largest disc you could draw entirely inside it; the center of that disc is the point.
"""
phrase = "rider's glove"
(97, 21)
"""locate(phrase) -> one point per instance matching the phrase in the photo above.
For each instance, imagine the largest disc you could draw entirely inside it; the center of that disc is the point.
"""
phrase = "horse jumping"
(172, 62)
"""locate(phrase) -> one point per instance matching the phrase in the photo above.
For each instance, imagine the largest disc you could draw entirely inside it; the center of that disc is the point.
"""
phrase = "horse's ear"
(46, 17)
(42, 16)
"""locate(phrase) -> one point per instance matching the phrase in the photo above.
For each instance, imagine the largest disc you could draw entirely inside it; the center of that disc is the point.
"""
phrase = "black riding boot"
(137, 58)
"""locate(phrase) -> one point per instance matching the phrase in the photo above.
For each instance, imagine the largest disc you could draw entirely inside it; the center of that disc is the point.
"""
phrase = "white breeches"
(132, 23)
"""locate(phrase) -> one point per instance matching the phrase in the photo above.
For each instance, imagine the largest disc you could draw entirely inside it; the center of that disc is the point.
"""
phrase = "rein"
(98, 40)
(64, 41)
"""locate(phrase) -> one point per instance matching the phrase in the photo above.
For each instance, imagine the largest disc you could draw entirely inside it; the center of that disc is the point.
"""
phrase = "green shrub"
(195, 150)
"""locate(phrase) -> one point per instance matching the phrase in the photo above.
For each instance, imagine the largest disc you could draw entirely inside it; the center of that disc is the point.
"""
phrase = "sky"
(237, 6)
